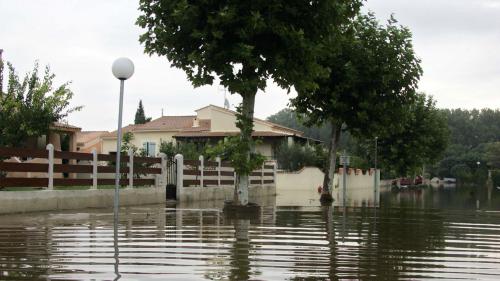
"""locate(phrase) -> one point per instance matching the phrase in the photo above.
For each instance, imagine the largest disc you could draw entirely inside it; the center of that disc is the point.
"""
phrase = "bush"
(495, 177)
(294, 157)
(189, 150)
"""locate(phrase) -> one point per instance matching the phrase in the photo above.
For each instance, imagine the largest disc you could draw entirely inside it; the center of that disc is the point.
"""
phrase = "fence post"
(217, 159)
(202, 168)
(162, 181)
(50, 173)
(262, 175)
(275, 164)
(234, 178)
(94, 168)
(130, 168)
(179, 162)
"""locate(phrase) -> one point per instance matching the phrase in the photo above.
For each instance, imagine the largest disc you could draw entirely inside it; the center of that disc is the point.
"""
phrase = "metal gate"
(171, 178)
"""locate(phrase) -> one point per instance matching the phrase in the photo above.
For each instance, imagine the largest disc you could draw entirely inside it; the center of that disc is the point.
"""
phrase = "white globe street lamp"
(122, 69)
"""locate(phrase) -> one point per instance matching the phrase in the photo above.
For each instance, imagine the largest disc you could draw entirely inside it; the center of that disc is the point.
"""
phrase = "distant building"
(209, 125)
(61, 135)
(87, 141)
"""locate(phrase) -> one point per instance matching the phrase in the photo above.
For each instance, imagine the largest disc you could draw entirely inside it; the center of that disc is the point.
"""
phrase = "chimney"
(196, 122)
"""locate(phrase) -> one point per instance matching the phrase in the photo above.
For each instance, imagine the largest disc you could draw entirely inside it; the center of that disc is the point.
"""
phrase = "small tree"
(31, 105)
(243, 44)
(140, 116)
(373, 73)
(296, 156)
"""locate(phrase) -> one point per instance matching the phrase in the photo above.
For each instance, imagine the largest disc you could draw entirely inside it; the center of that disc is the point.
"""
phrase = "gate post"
(179, 162)
(217, 159)
(50, 172)
(94, 169)
(262, 175)
(202, 169)
(130, 168)
(275, 164)
(160, 179)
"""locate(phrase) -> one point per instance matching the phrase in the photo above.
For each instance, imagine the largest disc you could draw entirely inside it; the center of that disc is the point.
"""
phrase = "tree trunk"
(326, 194)
(247, 111)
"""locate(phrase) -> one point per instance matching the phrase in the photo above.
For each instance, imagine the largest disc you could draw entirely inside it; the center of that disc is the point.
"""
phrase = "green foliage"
(127, 144)
(492, 155)
(422, 140)
(243, 44)
(461, 172)
(495, 176)
(188, 149)
(294, 157)
(474, 135)
(31, 105)
(233, 149)
(140, 116)
(290, 118)
(373, 73)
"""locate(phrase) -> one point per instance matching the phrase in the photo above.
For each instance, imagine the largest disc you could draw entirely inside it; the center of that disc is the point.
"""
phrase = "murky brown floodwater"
(414, 235)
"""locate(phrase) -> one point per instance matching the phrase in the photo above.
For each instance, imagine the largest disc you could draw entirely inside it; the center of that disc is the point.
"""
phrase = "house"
(209, 125)
(61, 135)
(86, 141)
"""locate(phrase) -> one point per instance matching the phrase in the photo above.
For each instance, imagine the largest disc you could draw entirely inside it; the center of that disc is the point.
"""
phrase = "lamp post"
(122, 69)
(375, 175)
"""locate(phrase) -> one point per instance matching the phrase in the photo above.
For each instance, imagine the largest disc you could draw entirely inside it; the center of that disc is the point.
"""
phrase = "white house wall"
(265, 149)
(222, 121)
(109, 145)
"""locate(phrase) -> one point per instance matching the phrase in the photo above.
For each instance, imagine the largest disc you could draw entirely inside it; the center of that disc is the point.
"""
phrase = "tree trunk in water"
(326, 194)
(247, 110)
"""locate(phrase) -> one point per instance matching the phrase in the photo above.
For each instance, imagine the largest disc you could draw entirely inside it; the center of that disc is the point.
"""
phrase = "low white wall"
(308, 178)
(51, 200)
(301, 187)
(214, 193)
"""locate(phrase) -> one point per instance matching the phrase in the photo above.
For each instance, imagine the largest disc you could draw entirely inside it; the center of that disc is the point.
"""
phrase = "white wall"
(222, 121)
(139, 138)
(265, 149)
(301, 188)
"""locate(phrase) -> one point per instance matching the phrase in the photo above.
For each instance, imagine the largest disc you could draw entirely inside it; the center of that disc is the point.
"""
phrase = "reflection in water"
(116, 249)
(431, 233)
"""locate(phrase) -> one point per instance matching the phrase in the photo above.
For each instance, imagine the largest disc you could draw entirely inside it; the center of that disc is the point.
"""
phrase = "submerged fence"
(135, 171)
(204, 173)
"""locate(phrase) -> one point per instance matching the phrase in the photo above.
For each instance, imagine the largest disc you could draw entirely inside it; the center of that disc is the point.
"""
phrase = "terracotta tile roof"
(86, 136)
(226, 134)
(172, 123)
(128, 128)
(166, 124)
(274, 125)
(64, 127)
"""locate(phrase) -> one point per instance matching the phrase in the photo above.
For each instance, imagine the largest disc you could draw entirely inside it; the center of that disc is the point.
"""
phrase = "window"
(149, 148)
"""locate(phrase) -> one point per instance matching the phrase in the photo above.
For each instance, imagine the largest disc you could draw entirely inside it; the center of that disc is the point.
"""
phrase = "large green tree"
(373, 73)
(243, 44)
(30, 105)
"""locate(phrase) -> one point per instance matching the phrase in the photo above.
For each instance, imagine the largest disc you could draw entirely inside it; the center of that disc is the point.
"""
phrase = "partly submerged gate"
(171, 176)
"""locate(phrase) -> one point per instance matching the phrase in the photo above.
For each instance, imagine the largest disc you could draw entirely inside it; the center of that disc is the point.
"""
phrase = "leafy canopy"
(422, 140)
(373, 72)
(31, 105)
(243, 43)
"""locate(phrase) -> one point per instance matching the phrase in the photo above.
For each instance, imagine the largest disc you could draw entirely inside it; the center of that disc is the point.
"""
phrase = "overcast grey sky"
(457, 40)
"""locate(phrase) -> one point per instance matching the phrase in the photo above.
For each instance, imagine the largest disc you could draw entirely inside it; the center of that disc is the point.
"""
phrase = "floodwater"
(421, 234)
